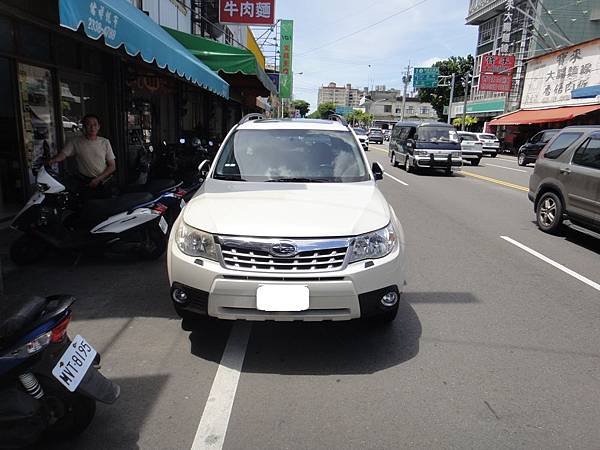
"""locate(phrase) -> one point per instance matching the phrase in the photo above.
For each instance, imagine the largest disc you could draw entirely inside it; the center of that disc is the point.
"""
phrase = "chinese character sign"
(496, 73)
(494, 82)
(247, 12)
(286, 76)
(497, 64)
(551, 78)
(425, 77)
(507, 26)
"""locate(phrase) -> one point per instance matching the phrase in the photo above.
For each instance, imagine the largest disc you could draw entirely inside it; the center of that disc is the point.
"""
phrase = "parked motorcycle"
(58, 217)
(49, 384)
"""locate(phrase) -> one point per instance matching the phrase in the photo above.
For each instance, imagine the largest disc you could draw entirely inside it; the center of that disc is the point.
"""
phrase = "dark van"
(431, 145)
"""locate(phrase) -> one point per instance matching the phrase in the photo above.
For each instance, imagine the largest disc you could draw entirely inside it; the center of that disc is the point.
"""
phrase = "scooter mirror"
(203, 169)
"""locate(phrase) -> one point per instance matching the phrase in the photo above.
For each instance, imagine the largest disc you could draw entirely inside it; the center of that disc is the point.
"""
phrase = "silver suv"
(566, 181)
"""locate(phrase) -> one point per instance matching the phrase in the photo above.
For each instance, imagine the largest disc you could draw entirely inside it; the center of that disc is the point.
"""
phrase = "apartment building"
(340, 95)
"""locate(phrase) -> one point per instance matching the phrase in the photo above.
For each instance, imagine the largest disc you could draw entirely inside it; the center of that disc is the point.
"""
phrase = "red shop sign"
(495, 82)
(497, 64)
(247, 12)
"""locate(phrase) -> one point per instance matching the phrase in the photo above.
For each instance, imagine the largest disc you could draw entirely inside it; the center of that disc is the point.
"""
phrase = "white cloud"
(430, 61)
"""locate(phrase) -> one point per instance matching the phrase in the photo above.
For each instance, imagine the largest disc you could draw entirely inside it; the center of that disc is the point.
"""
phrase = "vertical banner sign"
(507, 26)
(496, 73)
(247, 12)
(286, 77)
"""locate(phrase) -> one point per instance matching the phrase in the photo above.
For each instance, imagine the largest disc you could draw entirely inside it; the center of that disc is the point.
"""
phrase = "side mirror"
(203, 168)
(377, 171)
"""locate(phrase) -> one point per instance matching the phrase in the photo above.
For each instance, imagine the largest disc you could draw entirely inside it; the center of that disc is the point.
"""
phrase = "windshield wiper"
(228, 177)
(298, 180)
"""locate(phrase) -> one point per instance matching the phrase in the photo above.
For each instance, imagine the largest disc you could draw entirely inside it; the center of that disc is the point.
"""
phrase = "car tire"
(549, 213)
(475, 162)
(407, 167)
(521, 159)
(448, 172)
(493, 155)
(393, 160)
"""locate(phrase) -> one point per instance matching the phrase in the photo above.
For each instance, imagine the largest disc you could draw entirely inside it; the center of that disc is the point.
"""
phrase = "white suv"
(288, 225)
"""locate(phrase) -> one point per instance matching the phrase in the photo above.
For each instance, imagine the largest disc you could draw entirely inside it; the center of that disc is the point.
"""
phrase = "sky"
(417, 31)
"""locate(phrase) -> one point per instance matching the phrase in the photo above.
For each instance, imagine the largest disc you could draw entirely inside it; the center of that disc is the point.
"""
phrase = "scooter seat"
(95, 210)
(155, 187)
(18, 312)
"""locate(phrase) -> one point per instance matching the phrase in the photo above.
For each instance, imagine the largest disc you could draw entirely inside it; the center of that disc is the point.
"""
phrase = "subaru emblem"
(284, 249)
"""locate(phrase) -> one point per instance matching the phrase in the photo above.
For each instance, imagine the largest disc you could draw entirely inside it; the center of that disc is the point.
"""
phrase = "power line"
(363, 29)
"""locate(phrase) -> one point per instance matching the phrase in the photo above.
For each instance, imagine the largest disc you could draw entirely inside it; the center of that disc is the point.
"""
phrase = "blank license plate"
(274, 297)
(74, 363)
(162, 223)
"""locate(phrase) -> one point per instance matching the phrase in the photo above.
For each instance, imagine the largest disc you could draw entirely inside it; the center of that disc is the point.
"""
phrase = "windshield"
(292, 155)
(468, 137)
(488, 136)
(376, 131)
(435, 134)
(360, 131)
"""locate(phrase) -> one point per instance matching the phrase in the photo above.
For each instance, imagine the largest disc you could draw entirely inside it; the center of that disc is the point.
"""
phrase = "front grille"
(312, 256)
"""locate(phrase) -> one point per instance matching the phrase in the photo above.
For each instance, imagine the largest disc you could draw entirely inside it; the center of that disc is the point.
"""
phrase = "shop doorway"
(12, 194)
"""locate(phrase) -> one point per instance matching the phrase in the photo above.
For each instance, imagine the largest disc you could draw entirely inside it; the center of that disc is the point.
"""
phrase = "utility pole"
(466, 81)
(406, 79)
(451, 96)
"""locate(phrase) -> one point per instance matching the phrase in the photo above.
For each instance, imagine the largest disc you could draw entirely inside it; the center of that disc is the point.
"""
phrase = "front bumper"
(432, 161)
(231, 294)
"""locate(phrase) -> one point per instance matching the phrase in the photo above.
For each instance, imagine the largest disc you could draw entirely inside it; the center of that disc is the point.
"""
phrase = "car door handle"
(566, 171)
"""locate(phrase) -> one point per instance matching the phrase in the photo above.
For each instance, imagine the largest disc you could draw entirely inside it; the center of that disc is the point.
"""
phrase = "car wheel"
(448, 172)
(521, 159)
(407, 167)
(393, 160)
(549, 213)
(493, 155)
(475, 162)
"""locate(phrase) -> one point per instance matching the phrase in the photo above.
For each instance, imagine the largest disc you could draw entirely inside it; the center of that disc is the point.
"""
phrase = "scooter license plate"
(74, 363)
(164, 226)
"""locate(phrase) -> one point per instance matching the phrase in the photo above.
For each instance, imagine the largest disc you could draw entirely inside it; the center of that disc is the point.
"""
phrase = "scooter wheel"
(27, 250)
(154, 245)
(70, 413)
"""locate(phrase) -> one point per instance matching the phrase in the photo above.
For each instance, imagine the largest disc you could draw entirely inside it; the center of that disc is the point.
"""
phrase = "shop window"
(11, 178)
(35, 43)
(38, 114)
(7, 36)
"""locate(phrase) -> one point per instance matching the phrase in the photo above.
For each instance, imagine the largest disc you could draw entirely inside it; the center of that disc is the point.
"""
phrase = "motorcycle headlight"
(374, 245)
(194, 242)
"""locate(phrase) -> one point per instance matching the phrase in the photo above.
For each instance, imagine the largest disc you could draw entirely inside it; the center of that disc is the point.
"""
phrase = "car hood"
(294, 210)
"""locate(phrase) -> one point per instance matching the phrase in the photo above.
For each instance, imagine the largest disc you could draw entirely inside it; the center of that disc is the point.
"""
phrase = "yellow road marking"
(493, 180)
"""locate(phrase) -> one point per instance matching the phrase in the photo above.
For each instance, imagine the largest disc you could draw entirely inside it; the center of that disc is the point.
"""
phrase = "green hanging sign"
(286, 77)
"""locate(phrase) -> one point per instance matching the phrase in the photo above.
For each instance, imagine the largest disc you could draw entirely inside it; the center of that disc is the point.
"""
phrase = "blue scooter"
(49, 384)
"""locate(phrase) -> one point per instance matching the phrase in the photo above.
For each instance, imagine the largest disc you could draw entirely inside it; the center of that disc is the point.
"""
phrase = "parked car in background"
(69, 125)
(431, 145)
(565, 183)
(361, 134)
(529, 151)
(376, 135)
(490, 143)
(471, 147)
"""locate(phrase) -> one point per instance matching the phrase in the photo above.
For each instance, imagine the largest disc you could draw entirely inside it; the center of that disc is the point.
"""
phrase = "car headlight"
(456, 154)
(421, 153)
(374, 245)
(194, 242)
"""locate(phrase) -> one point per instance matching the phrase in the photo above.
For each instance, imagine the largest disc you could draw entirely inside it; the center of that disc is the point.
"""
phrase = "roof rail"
(251, 116)
(338, 118)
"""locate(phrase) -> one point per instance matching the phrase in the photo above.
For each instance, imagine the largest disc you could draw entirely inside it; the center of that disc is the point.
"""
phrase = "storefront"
(52, 75)
(561, 89)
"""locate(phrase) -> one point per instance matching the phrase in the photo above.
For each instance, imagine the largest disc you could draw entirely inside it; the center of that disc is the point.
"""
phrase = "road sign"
(426, 77)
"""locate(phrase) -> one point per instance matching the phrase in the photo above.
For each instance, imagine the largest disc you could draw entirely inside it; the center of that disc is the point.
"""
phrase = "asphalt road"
(493, 346)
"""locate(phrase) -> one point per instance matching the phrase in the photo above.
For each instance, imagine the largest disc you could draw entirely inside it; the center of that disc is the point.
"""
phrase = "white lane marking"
(507, 168)
(215, 418)
(507, 159)
(396, 179)
(566, 270)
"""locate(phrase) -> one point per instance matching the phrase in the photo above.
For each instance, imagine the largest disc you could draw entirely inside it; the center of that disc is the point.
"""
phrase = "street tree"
(302, 106)
(469, 120)
(358, 117)
(440, 96)
(323, 111)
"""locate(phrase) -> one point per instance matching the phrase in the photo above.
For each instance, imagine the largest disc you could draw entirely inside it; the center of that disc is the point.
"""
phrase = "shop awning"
(225, 59)
(531, 116)
(122, 24)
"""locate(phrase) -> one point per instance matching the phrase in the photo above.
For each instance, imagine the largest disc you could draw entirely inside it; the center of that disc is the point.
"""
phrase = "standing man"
(93, 153)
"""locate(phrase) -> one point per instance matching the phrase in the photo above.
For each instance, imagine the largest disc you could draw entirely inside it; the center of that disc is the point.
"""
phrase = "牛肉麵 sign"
(551, 78)
(247, 12)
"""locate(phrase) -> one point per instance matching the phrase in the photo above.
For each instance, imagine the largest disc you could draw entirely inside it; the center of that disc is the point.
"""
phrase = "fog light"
(179, 296)
(389, 299)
